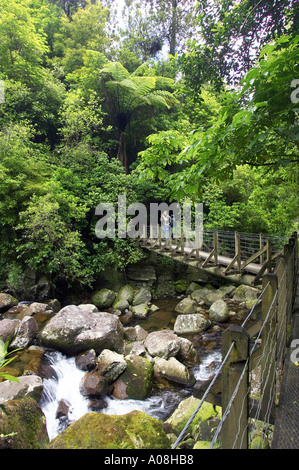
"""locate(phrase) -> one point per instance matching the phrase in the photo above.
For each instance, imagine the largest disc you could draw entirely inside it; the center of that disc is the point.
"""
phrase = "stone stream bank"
(119, 358)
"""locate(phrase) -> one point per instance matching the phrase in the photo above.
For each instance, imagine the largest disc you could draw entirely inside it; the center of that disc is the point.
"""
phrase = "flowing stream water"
(64, 385)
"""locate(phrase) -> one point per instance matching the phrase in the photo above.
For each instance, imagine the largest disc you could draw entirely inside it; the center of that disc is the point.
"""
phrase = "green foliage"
(93, 111)
(5, 360)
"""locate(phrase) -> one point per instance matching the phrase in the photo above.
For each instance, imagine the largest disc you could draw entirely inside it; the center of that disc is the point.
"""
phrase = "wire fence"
(236, 252)
(253, 355)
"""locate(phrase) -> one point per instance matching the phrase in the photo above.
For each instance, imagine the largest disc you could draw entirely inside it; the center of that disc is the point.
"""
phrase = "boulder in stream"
(26, 333)
(136, 381)
(219, 311)
(7, 301)
(173, 370)
(103, 298)
(162, 343)
(134, 430)
(74, 330)
(194, 323)
(142, 296)
(27, 386)
(186, 306)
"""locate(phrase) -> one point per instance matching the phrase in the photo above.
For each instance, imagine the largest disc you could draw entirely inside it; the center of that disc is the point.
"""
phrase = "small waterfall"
(65, 386)
(208, 366)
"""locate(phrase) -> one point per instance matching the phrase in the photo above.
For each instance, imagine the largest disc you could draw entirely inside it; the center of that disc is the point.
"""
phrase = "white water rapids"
(65, 386)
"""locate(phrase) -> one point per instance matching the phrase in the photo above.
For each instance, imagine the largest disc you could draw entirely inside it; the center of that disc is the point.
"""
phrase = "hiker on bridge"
(165, 223)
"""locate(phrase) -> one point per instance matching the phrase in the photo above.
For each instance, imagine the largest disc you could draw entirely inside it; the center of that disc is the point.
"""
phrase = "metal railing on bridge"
(246, 384)
(237, 251)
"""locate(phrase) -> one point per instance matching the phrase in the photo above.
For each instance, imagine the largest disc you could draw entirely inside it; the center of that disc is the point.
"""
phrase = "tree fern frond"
(116, 70)
(145, 85)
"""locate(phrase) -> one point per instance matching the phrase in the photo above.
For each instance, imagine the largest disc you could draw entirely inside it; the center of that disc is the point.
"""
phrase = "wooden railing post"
(268, 346)
(280, 270)
(238, 250)
(269, 255)
(215, 246)
(261, 246)
(234, 430)
(159, 235)
(182, 241)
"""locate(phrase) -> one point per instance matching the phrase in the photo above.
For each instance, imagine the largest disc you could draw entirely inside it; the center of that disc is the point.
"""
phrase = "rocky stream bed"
(118, 360)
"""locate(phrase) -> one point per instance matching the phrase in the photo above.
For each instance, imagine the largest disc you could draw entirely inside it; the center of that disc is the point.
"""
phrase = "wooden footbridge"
(257, 382)
(223, 254)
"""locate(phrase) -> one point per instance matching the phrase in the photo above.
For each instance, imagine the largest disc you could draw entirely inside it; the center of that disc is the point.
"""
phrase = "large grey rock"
(28, 386)
(219, 311)
(74, 330)
(162, 343)
(7, 301)
(193, 323)
(26, 333)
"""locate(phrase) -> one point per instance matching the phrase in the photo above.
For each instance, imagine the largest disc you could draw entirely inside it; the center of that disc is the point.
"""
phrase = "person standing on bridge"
(165, 223)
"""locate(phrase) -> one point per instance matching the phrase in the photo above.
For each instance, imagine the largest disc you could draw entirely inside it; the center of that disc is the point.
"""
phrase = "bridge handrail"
(250, 347)
(237, 251)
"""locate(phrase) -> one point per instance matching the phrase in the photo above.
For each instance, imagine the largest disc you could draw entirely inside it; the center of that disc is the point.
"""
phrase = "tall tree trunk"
(173, 28)
(122, 154)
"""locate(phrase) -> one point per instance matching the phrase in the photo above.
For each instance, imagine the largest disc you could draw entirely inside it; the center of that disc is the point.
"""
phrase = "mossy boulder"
(23, 425)
(103, 298)
(186, 306)
(176, 422)
(259, 441)
(135, 430)
(219, 311)
(202, 445)
(180, 286)
(244, 293)
(142, 296)
(205, 445)
(141, 311)
(136, 381)
(126, 293)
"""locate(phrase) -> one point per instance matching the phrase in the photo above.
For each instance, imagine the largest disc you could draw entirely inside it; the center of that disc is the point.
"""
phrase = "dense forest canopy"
(157, 100)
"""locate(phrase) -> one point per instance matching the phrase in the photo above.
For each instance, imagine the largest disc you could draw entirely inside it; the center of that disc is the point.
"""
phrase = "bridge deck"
(286, 428)
(252, 268)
